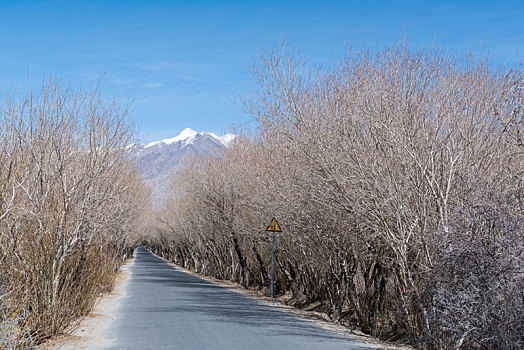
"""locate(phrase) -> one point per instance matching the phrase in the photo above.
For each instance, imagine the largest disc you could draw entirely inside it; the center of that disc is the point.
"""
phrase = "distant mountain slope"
(157, 161)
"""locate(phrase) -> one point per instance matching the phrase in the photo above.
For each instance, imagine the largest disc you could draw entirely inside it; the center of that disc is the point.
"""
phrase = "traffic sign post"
(272, 261)
(273, 227)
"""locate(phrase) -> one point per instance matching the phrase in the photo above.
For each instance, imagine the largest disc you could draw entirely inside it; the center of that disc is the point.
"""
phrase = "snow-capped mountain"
(157, 161)
(188, 136)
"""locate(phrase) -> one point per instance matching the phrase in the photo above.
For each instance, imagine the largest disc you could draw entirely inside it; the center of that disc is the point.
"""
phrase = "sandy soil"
(89, 334)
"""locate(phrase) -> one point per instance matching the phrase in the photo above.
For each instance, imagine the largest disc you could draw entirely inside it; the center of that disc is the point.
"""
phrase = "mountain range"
(157, 161)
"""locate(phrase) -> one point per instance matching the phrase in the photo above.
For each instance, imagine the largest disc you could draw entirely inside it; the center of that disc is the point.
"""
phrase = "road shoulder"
(90, 331)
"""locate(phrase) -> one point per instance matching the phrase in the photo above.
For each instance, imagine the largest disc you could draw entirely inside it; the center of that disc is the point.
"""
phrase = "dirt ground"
(89, 333)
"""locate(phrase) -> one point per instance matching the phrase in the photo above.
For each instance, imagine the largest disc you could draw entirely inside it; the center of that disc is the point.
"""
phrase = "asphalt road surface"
(165, 308)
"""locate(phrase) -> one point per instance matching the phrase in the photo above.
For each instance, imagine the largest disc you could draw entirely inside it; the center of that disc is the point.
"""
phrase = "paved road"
(169, 309)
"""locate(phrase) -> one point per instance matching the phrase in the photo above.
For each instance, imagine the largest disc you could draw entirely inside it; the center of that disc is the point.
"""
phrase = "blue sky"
(186, 62)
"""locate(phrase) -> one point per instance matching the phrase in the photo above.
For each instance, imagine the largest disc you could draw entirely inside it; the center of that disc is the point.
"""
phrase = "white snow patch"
(188, 135)
(185, 135)
(225, 139)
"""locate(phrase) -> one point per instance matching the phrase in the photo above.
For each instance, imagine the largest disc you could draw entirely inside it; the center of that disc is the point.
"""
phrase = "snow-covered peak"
(188, 135)
(224, 139)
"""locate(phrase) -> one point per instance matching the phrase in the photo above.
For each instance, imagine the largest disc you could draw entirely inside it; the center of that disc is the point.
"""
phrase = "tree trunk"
(241, 260)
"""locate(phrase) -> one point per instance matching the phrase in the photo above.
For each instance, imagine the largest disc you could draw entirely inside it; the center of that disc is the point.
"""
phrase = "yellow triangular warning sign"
(274, 226)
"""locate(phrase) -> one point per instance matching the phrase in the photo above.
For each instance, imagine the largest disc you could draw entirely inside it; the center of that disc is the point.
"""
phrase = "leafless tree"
(378, 169)
(70, 204)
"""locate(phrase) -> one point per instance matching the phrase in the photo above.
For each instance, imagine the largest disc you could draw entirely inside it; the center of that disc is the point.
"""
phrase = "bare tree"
(71, 203)
(376, 169)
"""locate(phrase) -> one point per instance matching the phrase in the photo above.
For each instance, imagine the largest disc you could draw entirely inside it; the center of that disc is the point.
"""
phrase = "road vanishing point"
(166, 308)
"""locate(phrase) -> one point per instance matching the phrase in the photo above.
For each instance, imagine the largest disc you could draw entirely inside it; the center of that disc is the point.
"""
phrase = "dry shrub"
(375, 169)
(70, 204)
(476, 286)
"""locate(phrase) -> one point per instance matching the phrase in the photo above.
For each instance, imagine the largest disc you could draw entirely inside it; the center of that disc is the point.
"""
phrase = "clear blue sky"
(187, 61)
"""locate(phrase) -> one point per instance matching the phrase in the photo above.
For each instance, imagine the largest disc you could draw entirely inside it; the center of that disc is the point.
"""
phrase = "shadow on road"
(162, 297)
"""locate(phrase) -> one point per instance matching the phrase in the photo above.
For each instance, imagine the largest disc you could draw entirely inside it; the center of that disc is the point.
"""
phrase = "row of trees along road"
(70, 207)
(397, 178)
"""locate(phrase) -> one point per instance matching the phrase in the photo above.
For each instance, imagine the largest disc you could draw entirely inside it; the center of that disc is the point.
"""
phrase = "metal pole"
(272, 263)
